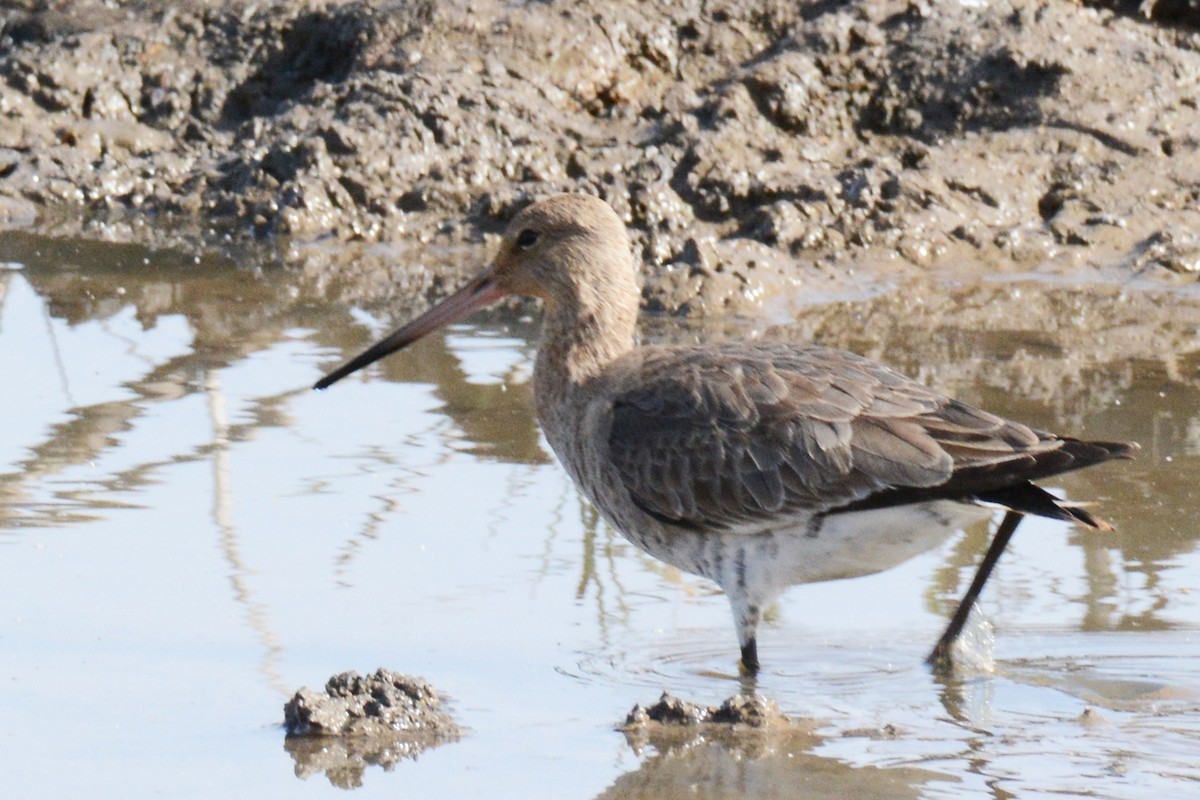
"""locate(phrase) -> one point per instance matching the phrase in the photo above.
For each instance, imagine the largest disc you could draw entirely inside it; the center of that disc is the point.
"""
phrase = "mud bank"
(752, 147)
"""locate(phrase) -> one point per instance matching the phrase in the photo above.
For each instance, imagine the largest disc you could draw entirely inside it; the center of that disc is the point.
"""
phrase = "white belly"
(761, 565)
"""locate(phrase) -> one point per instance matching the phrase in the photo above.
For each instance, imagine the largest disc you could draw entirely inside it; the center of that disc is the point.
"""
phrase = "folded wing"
(741, 437)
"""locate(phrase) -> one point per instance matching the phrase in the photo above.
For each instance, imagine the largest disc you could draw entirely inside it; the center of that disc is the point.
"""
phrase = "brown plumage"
(726, 459)
(727, 435)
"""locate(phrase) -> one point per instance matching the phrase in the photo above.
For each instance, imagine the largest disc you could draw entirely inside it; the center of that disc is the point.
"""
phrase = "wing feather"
(733, 436)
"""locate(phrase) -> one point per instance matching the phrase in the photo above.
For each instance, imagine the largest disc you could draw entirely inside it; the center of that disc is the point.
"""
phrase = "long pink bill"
(481, 291)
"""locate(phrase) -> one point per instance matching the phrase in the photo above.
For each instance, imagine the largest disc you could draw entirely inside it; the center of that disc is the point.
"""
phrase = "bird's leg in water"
(940, 658)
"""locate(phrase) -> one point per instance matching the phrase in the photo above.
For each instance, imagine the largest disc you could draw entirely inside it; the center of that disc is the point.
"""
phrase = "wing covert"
(736, 437)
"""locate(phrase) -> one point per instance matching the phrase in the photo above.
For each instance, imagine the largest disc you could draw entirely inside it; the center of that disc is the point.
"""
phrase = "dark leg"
(750, 657)
(939, 658)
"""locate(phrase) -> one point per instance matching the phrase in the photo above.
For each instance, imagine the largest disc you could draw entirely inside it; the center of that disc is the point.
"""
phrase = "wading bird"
(756, 465)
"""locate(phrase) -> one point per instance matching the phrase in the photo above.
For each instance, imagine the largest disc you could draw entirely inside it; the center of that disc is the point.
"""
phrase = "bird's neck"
(579, 340)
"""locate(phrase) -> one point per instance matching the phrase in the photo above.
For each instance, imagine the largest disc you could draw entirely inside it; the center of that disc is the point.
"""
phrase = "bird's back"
(740, 437)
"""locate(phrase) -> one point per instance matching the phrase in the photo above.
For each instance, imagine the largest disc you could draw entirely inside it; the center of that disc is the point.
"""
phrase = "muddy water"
(188, 534)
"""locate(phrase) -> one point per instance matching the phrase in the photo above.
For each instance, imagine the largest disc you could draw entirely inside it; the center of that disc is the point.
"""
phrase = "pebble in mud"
(359, 720)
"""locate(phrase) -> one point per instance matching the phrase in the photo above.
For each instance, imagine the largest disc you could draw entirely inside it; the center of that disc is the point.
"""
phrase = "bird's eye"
(527, 238)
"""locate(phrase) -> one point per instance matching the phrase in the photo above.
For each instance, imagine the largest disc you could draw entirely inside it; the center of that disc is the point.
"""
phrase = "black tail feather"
(1084, 454)
(1008, 483)
(1028, 498)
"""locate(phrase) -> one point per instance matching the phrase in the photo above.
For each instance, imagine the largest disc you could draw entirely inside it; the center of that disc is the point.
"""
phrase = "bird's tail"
(1028, 498)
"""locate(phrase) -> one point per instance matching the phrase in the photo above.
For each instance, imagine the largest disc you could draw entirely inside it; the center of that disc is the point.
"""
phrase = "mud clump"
(745, 748)
(357, 705)
(380, 719)
(740, 710)
(751, 147)
(750, 726)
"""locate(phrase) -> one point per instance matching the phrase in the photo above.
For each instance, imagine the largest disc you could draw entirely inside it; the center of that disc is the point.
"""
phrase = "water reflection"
(230, 314)
(756, 765)
(257, 614)
(137, 386)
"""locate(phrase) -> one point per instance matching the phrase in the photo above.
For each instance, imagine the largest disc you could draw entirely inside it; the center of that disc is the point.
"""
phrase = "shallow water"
(188, 534)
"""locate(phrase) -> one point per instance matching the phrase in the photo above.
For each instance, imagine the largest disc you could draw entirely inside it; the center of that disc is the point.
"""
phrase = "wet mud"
(745, 748)
(363, 720)
(754, 148)
(740, 710)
